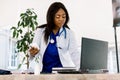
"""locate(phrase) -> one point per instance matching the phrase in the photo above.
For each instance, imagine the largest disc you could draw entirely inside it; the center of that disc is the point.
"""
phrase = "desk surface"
(61, 77)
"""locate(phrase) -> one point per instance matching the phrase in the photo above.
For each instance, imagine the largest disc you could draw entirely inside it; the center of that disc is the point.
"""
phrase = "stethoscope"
(63, 30)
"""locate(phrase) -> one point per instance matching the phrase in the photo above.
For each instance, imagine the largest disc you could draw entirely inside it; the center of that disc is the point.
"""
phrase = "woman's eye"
(64, 16)
(57, 16)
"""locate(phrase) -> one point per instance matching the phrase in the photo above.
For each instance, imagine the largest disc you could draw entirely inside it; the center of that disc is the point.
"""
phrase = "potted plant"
(24, 33)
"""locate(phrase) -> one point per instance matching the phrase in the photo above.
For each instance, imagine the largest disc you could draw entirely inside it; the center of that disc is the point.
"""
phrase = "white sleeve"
(74, 50)
(36, 41)
(37, 37)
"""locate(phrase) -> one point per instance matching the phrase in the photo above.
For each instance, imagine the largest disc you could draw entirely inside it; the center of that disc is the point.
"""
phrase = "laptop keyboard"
(70, 72)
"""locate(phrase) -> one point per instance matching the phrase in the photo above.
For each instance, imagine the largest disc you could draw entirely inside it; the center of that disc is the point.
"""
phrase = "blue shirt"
(51, 58)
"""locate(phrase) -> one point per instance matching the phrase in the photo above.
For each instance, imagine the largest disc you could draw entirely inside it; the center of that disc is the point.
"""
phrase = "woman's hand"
(33, 51)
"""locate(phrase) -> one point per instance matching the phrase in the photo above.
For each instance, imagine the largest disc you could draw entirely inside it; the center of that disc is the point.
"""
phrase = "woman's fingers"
(33, 51)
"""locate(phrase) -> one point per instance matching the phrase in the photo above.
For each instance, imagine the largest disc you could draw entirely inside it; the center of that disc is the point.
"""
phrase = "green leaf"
(35, 17)
(22, 14)
(13, 28)
(19, 24)
(20, 31)
(14, 33)
(17, 35)
(23, 60)
(36, 23)
(19, 66)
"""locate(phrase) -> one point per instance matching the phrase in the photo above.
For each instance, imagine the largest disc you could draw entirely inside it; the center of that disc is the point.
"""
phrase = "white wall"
(88, 18)
(4, 49)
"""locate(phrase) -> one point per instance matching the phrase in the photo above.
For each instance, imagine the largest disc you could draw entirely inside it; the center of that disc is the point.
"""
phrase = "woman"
(55, 42)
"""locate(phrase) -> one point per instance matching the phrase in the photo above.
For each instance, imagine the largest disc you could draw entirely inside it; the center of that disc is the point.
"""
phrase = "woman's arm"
(35, 46)
(74, 50)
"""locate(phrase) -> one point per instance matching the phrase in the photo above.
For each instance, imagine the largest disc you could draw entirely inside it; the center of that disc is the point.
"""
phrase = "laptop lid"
(94, 54)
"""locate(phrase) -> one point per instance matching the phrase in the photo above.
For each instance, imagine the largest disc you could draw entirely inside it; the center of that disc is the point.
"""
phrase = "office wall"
(88, 18)
(4, 49)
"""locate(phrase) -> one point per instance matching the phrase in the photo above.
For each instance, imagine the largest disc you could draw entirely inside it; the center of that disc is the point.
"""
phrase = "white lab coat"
(67, 48)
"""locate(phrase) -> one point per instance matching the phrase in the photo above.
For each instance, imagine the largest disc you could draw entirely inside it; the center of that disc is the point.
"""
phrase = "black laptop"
(4, 72)
(94, 57)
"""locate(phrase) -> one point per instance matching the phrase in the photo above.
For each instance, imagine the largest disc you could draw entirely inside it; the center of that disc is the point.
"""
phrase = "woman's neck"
(55, 30)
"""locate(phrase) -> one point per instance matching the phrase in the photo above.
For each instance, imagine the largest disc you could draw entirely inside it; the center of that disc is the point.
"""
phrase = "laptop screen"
(94, 54)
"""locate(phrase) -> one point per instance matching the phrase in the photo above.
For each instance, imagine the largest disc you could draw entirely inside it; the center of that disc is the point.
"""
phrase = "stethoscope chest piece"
(52, 41)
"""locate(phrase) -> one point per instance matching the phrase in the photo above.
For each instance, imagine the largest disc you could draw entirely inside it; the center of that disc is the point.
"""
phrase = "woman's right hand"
(33, 51)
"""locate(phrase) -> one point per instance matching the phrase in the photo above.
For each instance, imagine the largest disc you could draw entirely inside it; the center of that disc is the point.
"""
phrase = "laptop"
(5, 72)
(94, 57)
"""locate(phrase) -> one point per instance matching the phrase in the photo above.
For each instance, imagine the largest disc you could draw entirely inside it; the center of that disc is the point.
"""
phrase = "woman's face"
(60, 18)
